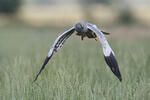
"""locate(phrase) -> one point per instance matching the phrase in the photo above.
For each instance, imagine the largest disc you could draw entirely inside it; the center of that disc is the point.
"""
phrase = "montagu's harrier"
(85, 29)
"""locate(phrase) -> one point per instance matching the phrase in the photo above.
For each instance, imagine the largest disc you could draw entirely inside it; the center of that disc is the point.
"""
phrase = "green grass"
(77, 72)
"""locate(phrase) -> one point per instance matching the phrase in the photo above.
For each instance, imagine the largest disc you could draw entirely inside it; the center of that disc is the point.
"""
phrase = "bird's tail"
(105, 33)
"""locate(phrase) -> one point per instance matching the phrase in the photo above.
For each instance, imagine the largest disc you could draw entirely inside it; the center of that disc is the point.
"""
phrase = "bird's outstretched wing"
(107, 51)
(55, 47)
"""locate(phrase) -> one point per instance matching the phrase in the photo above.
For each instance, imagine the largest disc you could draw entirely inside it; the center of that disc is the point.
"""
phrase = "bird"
(85, 29)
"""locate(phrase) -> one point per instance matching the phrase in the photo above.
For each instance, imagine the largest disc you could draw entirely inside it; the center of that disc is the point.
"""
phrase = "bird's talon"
(96, 38)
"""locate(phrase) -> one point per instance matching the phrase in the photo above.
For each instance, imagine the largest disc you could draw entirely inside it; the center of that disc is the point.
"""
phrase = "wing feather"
(107, 51)
(55, 47)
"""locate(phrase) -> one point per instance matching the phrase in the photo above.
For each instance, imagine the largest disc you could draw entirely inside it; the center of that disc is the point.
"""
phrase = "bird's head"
(81, 27)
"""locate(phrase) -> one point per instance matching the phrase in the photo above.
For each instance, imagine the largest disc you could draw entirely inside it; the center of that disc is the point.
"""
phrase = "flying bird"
(85, 29)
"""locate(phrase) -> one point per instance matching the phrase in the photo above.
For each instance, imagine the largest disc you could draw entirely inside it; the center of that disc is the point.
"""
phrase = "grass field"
(77, 72)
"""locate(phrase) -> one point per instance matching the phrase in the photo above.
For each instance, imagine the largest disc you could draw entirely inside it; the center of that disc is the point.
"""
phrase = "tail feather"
(106, 33)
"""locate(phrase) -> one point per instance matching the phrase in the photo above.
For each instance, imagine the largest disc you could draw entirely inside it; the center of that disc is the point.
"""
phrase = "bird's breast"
(79, 33)
(88, 34)
(91, 34)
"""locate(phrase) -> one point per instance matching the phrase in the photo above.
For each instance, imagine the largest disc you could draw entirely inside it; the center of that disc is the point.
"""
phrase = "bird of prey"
(85, 29)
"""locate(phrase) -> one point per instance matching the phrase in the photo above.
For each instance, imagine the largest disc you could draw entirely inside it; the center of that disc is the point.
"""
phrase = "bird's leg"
(82, 37)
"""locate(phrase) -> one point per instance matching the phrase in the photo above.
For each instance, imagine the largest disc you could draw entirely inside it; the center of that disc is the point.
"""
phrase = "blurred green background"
(66, 12)
(28, 28)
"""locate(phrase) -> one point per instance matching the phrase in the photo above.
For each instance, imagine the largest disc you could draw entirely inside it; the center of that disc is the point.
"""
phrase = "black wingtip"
(120, 79)
(43, 66)
(112, 63)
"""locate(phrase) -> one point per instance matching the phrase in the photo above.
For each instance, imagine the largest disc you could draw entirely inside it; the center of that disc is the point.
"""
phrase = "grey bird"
(85, 29)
